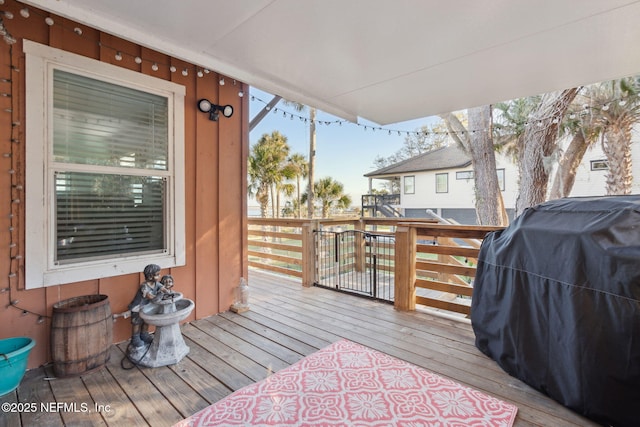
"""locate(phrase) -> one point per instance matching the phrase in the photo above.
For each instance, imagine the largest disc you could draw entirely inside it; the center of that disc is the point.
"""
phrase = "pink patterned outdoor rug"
(347, 384)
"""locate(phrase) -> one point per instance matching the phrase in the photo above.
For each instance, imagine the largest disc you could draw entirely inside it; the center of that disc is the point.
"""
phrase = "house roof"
(384, 61)
(441, 158)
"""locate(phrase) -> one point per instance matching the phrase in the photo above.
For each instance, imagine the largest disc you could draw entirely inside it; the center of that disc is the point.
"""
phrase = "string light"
(200, 71)
(118, 54)
(15, 201)
(426, 133)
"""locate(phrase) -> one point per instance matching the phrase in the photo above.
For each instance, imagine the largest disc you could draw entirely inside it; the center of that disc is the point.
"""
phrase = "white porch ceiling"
(386, 61)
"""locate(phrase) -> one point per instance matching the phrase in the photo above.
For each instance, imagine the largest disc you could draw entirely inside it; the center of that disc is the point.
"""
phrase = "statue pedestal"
(168, 346)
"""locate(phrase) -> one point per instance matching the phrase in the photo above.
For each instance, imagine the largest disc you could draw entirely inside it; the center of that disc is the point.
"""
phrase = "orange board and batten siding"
(215, 185)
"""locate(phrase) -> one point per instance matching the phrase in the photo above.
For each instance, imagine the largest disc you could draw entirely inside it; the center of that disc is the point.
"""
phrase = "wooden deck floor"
(286, 323)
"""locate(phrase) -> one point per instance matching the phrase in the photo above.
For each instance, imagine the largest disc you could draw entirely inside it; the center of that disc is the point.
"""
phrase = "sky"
(344, 152)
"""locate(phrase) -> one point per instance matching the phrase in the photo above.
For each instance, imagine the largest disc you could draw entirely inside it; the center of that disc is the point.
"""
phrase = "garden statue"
(156, 304)
(148, 290)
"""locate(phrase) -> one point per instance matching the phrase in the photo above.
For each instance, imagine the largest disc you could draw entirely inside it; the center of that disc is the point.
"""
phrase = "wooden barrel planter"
(81, 334)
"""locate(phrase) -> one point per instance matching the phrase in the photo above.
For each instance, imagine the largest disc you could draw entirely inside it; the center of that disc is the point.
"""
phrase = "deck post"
(308, 253)
(405, 268)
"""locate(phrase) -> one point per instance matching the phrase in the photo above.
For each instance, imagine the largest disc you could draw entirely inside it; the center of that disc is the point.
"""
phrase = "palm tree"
(331, 195)
(287, 189)
(258, 181)
(616, 107)
(287, 172)
(265, 168)
(300, 168)
(312, 155)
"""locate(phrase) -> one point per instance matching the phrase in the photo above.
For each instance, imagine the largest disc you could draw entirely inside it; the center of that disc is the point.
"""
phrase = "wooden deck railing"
(440, 258)
(284, 246)
(434, 264)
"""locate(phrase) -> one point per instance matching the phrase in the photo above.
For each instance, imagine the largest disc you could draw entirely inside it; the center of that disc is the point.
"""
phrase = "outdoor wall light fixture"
(206, 106)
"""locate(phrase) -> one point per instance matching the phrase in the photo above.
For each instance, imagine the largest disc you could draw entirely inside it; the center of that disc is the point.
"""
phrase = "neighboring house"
(112, 167)
(442, 181)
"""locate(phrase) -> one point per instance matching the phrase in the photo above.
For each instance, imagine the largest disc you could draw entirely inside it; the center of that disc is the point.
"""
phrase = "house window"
(105, 149)
(599, 165)
(469, 175)
(500, 173)
(464, 175)
(442, 183)
(409, 184)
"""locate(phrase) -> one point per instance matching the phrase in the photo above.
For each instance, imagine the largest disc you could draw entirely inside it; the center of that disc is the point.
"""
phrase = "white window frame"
(466, 175)
(446, 190)
(409, 184)
(599, 165)
(40, 269)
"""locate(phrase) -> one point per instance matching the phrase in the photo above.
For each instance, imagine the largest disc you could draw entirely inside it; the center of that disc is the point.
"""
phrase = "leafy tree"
(539, 145)
(418, 142)
(584, 131)
(477, 142)
(422, 140)
(510, 121)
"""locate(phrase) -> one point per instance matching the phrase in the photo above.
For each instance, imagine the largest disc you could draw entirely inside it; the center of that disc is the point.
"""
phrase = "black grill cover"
(556, 303)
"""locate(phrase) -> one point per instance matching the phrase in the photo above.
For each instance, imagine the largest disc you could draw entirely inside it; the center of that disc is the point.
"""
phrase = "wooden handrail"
(433, 264)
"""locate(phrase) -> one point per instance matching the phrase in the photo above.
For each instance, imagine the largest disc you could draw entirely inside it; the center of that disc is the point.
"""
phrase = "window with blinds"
(104, 192)
(123, 131)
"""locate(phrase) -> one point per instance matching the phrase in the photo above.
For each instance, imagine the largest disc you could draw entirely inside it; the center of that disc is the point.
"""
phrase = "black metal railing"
(357, 262)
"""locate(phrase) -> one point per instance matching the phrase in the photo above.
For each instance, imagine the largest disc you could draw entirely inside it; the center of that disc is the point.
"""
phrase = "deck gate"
(357, 262)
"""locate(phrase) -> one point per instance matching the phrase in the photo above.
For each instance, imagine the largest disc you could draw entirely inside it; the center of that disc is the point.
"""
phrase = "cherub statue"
(148, 290)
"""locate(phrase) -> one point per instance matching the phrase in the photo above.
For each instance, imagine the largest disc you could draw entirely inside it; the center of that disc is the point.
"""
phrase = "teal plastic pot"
(14, 353)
